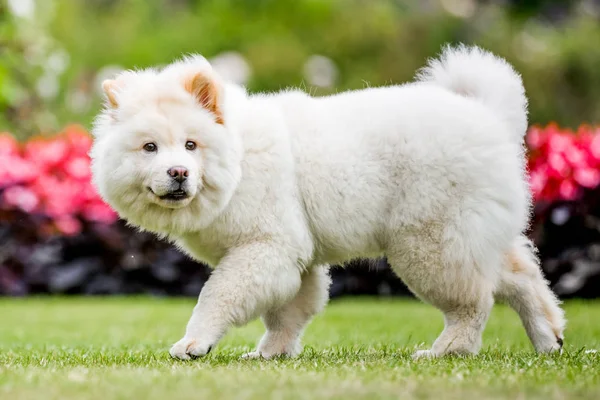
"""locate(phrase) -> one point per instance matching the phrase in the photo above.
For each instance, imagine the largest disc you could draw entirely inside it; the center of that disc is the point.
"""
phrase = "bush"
(58, 236)
(51, 178)
(563, 163)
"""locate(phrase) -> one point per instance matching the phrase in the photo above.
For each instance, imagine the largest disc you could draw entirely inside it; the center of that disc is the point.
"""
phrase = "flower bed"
(563, 164)
(58, 236)
(51, 178)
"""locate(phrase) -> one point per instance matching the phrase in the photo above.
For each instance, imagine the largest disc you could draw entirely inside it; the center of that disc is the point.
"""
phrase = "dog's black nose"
(180, 174)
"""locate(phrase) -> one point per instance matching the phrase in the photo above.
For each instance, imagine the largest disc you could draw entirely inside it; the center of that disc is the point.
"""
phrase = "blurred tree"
(28, 69)
(537, 7)
(353, 43)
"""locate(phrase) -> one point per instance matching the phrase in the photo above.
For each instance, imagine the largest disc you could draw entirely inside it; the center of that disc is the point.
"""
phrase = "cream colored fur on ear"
(110, 87)
(206, 91)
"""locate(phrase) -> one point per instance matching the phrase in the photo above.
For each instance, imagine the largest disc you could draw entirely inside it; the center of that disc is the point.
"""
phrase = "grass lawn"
(116, 348)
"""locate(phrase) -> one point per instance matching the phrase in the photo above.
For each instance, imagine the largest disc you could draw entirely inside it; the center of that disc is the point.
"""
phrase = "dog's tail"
(472, 71)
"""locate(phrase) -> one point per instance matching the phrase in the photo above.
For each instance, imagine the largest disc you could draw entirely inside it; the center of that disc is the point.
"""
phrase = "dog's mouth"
(173, 195)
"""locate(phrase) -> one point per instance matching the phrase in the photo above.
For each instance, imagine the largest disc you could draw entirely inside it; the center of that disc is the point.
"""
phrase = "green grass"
(116, 348)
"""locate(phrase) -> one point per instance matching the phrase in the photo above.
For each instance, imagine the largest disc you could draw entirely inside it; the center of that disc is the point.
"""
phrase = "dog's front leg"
(249, 280)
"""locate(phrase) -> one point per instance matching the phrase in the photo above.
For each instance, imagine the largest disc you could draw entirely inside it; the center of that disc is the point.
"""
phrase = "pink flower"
(79, 140)
(68, 225)
(536, 138)
(88, 191)
(557, 166)
(52, 176)
(78, 167)
(575, 157)
(568, 190)
(46, 153)
(537, 182)
(559, 142)
(65, 199)
(14, 169)
(587, 177)
(45, 185)
(595, 147)
(98, 211)
(563, 162)
(21, 197)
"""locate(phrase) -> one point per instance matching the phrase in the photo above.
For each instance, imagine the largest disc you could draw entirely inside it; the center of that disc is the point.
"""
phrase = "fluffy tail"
(472, 71)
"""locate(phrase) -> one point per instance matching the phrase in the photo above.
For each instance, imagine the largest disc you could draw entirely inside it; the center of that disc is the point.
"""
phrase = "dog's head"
(164, 155)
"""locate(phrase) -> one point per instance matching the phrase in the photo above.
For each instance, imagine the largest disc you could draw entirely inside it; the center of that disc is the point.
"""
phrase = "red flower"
(68, 225)
(52, 177)
(558, 166)
(594, 147)
(79, 140)
(562, 162)
(16, 170)
(98, 211)
(537, 182)
(65, 199)
(568, 190)
(587, 177)
(78, 167)
(46, 153)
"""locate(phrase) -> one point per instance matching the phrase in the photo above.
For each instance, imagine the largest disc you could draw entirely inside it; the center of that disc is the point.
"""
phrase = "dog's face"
(159, 155)
(162, 156)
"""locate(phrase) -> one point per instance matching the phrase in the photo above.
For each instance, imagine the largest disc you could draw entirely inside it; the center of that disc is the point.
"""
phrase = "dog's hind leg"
(523, 287)
(286, 324)
(463, 328)
(450, 279)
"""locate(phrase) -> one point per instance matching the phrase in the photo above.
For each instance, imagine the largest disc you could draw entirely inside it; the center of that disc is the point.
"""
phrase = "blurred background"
(57, 236)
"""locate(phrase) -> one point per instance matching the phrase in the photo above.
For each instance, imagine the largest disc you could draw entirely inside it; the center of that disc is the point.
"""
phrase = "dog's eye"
(189, 145)
(150, 147)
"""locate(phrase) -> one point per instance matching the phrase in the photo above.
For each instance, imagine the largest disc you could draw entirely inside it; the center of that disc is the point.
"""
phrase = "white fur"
(430, 174)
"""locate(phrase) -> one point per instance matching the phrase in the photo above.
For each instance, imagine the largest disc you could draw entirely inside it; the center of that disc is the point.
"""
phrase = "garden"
(90, 305)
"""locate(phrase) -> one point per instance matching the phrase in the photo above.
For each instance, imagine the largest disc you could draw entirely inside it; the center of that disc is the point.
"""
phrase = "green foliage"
(372, 43)
(26, 57)
(116, 348)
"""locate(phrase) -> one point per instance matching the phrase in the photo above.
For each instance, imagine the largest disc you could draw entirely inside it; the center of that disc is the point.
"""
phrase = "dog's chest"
(205, 247)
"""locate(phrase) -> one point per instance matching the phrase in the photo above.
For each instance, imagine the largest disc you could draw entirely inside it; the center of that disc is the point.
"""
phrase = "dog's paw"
(263, 355)
(548, 343)
(188, 348)
(252, 355)
(550, 346)
(423, 354)
(266, 355)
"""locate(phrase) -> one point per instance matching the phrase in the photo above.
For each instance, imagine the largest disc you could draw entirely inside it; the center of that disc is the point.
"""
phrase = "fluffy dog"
(271, 188)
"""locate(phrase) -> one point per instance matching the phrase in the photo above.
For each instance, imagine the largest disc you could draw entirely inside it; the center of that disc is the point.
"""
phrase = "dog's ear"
(110, 87)
(206, 92)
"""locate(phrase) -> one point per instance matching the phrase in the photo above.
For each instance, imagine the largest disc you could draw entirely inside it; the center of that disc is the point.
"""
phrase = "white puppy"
(271, 188)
